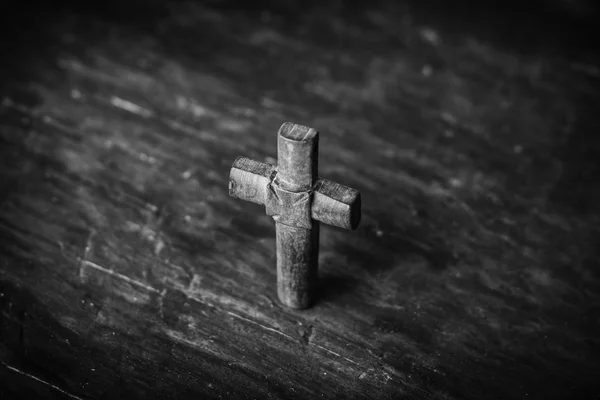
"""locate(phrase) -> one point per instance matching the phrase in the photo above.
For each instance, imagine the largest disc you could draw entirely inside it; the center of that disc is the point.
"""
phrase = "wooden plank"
(126, 270)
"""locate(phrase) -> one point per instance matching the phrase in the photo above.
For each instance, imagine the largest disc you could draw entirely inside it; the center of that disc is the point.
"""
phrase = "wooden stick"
(297, 247)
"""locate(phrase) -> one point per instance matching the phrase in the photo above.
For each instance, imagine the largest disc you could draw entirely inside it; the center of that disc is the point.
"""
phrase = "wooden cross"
(297, 199)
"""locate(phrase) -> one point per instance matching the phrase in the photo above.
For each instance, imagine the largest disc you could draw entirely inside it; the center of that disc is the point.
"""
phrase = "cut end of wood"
(297, 157)
(337, 205)
(355, 212)
(297, 133)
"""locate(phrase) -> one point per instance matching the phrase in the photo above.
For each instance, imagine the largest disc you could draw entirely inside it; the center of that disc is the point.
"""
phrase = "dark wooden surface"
(126, 270)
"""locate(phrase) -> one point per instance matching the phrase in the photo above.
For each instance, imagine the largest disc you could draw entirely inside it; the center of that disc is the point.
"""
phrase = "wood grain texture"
(336, 205)
(297, 235)
(127, 270)
(249, 180)
(297, 264)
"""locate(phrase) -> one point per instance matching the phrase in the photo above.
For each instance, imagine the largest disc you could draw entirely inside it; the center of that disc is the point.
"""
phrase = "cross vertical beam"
(297, 246)
(297, 199)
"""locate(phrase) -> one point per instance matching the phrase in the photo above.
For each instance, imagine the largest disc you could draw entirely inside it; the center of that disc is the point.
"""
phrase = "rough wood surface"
(297, 235)
(474, 273)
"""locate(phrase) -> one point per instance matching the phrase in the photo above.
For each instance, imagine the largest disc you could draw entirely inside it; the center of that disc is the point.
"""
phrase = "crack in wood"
(307, 339)
(335, 354)
(41, 381)
(267, 328)
(120, 276)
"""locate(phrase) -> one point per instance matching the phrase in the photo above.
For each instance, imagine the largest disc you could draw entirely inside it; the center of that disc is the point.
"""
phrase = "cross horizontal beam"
(332, 203)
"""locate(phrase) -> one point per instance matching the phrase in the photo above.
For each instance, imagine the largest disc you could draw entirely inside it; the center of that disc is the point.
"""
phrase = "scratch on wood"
(204, 345)
(157, 220)
(179, 337)
(120, 276)
(308, 335)
(271, 302)
(196, 109)
(336, 354)
(159, 246)
(130, 106)
(148, 159)
(88, 244)
(261, 325)
(86, 252)
(149, 233)
(42, 381)
(161, 299)
(195, 282)
(55, 123)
